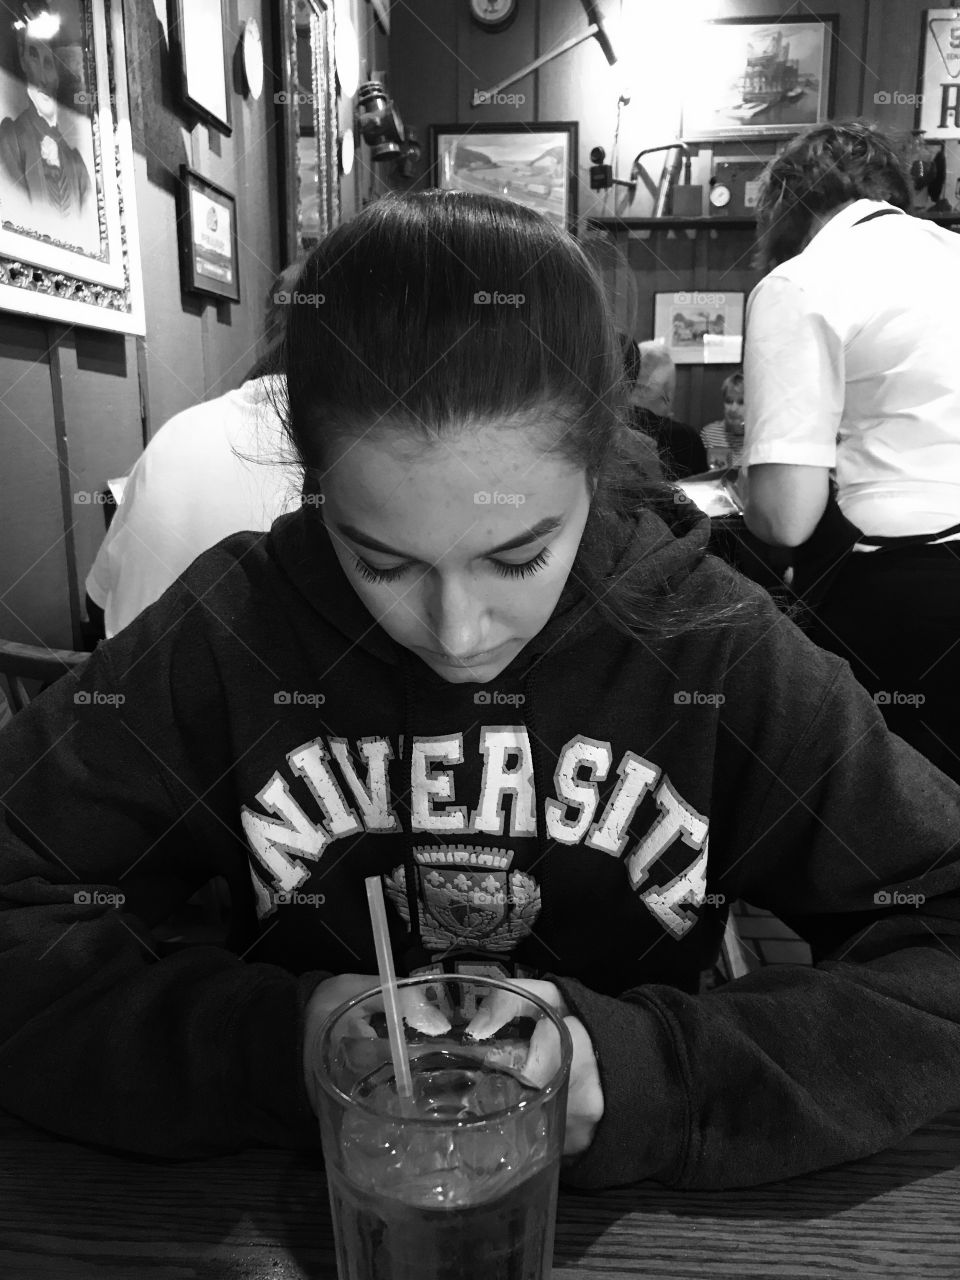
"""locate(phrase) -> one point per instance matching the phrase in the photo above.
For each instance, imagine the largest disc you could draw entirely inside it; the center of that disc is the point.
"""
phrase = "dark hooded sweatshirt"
(588, 816)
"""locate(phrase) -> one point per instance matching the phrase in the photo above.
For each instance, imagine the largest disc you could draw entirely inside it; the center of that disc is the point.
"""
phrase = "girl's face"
(459, 547)
(733, 410)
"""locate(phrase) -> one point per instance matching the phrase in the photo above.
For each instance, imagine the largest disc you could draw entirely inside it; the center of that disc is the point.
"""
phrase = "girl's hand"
(584, 1095)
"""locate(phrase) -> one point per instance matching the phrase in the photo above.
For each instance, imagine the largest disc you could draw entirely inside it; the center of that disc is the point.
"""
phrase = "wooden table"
(72, 1213)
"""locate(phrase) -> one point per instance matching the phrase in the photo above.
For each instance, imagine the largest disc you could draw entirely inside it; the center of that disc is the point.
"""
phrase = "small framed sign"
(938, 102)
(209, 256)
(699, 327)
(204, 64)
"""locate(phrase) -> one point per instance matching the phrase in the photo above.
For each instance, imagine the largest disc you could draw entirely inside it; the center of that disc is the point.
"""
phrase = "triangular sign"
(946, 32)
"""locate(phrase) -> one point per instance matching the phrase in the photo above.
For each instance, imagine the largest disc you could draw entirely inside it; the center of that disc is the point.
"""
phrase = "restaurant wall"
(877, 50)
(77, 405)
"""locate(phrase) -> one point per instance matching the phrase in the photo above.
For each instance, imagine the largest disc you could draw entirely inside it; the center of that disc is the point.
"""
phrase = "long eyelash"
(370, 574)
(522, 570)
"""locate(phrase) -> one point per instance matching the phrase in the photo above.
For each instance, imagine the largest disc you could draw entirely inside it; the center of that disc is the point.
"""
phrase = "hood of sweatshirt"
(658, 552)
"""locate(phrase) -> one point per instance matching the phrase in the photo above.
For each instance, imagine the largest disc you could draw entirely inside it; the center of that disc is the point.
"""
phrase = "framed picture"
(534, 164)
(757, 77)
(308, 118)
(68, 211)
(700, 328)
(209, 258)
(204, 63)
(938, 100)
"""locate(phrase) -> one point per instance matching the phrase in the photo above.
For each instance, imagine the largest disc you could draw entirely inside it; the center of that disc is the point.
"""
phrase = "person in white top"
(851, 367)
(217, 468)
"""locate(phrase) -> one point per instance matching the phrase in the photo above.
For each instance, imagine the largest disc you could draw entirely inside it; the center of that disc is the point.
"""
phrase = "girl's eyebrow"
(540, 530)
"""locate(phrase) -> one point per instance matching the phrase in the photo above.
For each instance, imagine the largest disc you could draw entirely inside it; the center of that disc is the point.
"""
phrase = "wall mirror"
(308, 105)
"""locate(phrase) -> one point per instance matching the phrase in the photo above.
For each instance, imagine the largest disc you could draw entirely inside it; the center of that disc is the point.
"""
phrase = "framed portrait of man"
(68, 234)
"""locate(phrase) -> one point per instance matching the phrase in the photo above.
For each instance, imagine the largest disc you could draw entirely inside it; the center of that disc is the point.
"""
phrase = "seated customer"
(217, 468)
(723, 439)
(652, 377)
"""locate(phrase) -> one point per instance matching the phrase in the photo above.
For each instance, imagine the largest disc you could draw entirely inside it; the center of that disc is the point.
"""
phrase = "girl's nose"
(454, 617)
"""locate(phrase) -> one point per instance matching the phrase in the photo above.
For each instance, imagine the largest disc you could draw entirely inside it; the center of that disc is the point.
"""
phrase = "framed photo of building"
(700, 327)
(68, 211)
(204, 65)
(209, 254)
(534, 164)
(755, 77)
(938, 99)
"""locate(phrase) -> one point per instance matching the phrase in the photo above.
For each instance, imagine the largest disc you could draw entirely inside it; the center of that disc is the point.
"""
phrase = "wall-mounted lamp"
(379, 121)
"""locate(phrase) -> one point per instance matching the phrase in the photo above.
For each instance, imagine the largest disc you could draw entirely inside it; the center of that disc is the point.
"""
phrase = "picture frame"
(534, 164)
(209, 245)
(700, 326)
(307, 104)
(201, 47)
(938, 93)
(759, 77)
(69, 246)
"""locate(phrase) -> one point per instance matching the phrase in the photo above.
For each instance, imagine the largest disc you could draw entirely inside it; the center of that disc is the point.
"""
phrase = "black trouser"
(895, 616)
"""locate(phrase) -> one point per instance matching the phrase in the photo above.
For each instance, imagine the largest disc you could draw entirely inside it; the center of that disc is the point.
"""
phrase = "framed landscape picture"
(700, 328)
(209, 257)
(534, 164)
(758, 76)
(68, 211)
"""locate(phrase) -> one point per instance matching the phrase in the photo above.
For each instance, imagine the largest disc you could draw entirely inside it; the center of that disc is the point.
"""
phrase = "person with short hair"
(652, 380)
(723, 439)
(851, 364)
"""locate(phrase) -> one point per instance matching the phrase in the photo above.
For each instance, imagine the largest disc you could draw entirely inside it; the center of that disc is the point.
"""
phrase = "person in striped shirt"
(723, 439)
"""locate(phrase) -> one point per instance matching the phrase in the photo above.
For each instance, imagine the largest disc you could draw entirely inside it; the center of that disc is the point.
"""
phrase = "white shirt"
(852, 360)
(215, 469)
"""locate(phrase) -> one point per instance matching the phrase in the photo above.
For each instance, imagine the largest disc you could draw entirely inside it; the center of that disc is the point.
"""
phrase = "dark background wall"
(878, 44)
(77, 405)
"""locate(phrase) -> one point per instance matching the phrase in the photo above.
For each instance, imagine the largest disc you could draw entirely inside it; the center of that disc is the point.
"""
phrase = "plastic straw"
(388, 981)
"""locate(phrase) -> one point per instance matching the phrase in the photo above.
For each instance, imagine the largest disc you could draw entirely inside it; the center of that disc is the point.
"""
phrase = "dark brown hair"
(816, 174)
(433, 311)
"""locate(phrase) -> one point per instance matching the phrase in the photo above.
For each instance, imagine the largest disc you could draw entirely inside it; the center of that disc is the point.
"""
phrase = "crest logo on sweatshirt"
(469, 897)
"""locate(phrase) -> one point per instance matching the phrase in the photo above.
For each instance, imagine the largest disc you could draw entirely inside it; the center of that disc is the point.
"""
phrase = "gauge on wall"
(493, 15)
(720, 195)
(253, 57)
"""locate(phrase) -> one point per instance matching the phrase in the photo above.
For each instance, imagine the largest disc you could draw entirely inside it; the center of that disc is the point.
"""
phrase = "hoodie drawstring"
(415, 955)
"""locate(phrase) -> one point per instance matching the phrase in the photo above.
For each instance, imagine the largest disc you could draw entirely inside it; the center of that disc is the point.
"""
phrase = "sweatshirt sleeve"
(102, 1039)
(853, 838)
